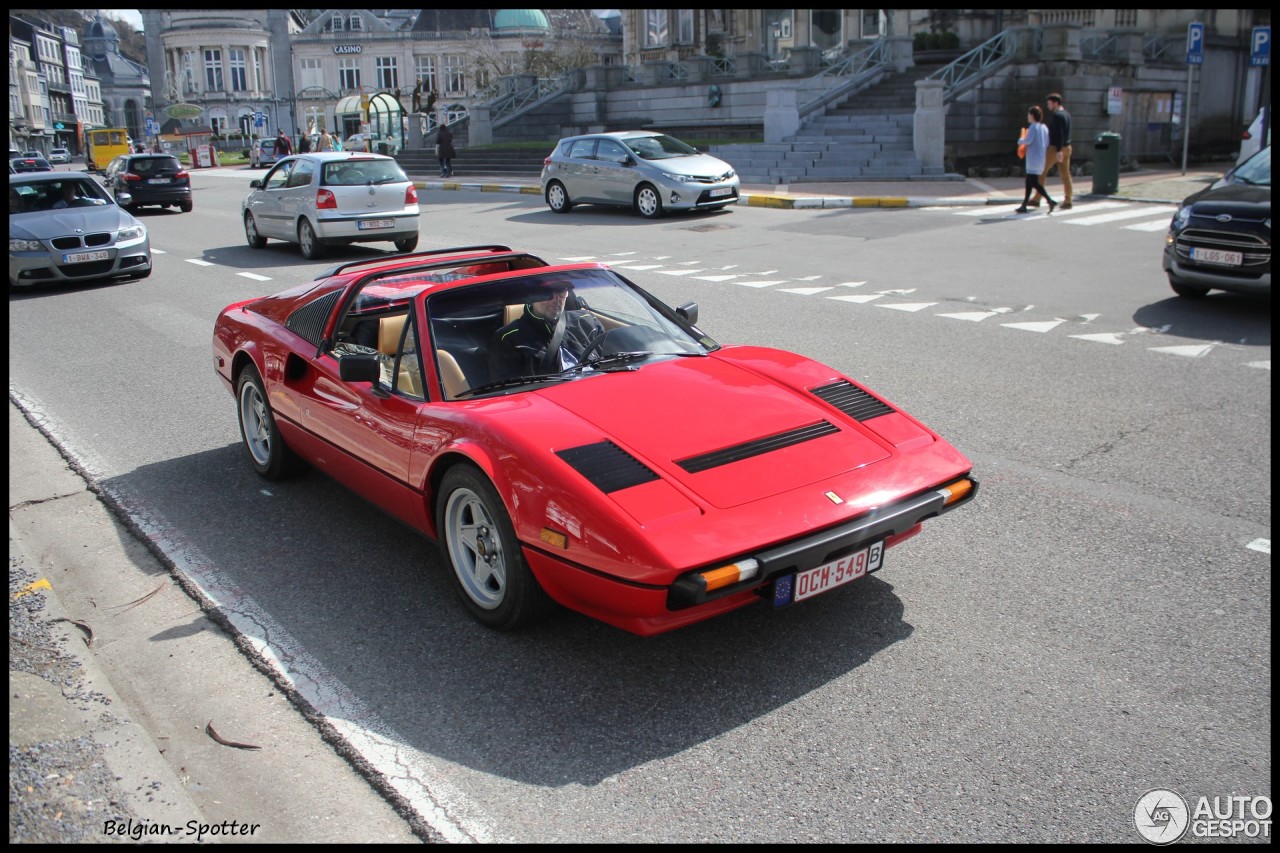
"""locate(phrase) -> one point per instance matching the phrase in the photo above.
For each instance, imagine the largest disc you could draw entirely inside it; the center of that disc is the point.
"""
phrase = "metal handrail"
(980, 62)
(1099, 45)
(854, 71)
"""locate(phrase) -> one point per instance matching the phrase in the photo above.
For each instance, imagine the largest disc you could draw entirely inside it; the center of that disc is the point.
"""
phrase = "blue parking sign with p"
(1260, 46)
(1195, 44)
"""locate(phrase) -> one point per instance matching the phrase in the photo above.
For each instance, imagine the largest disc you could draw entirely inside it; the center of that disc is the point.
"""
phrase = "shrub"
(949, 41)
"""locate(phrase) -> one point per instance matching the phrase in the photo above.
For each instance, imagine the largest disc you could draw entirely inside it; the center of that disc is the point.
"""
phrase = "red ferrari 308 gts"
(567, 437)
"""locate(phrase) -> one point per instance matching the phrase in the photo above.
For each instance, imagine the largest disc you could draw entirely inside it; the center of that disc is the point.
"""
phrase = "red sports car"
(567, 437)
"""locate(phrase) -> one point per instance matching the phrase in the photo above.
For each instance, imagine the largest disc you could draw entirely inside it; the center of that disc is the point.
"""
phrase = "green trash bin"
(1106, 163)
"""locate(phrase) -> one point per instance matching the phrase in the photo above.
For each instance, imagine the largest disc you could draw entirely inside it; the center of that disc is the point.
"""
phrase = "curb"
(788, 202)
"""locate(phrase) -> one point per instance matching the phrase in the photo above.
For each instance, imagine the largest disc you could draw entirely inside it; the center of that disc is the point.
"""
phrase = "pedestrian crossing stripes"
(812, 287)
(1081, 213)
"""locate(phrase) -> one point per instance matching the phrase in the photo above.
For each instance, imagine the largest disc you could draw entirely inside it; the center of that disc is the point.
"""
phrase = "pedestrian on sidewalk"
(444, 151)
(1059, 153)
(283, 146)
(1037, 144)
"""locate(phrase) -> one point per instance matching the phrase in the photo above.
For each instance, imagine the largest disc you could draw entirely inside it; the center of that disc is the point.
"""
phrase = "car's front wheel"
(648, 202)
(1191, 291)
(479, 542)
(268, 453)
(312, 248)
(408, 244)
(558, 198)
(251, 234)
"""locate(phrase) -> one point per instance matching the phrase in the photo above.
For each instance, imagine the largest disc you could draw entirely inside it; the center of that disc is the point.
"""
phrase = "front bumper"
(691, 196)
(1258, 284)
(28, 268)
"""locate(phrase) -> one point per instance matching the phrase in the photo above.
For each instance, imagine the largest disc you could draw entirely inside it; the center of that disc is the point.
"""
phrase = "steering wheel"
(593, 346)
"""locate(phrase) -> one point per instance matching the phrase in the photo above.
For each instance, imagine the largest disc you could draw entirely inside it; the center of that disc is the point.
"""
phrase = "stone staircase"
(868, 137)
(489, 161)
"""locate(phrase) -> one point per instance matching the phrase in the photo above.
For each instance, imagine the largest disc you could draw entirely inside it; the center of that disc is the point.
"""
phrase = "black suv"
(1220, 238)
(151, 179)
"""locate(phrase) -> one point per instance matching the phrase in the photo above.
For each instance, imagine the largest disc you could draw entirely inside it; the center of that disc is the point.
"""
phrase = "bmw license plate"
(720, 192)
(368, 224)
(158, 180)
(1217, 256)
(81, 257)
(807, 584)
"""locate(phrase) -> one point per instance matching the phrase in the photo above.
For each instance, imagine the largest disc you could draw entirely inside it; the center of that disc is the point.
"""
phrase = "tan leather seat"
(389, 331)
(451, 376)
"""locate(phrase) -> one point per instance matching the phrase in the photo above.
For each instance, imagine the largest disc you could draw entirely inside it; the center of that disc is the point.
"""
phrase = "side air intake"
(607, 466)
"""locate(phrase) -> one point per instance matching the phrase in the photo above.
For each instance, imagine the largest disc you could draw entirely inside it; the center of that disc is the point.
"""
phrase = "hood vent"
(706, 461)
(607, 466)
(852, 400)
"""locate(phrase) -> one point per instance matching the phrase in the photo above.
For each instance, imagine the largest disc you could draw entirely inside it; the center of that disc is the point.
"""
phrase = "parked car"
(60, 155)
(35, 154)
(371, 143)
(1220, 237)
(64, 227)
(31, 164)
(659, 481)
(332, 198)
(648, 172)
(1252, 138)
(149, 179)
(262, 153)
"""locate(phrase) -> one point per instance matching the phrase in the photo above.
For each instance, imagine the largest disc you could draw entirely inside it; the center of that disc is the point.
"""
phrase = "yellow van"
(104, 145)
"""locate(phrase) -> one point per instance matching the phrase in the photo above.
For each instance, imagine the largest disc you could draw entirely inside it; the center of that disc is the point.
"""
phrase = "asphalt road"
(1094, 626)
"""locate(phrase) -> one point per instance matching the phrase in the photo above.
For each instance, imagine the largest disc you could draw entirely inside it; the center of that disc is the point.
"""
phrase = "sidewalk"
(1158, 186)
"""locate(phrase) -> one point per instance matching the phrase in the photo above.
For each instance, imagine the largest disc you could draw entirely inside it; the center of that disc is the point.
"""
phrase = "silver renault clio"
(646, 171)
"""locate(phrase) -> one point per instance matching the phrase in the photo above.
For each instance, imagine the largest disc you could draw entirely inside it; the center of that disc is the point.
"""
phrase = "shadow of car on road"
(1227, 317)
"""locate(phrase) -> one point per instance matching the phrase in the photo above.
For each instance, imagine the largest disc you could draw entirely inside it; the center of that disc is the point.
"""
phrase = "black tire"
(558, 198)
(408, 244)
(185, 207)
(1190, 291)
(269, 455)
(308, 242)
(648, 201)
(251, 235)
(479, 544)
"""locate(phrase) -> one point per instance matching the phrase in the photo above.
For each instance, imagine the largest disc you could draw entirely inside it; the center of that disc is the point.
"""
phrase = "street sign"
(1260, 46)
(1195, 44)
(153, 129)
(59, 126)
(259, 118)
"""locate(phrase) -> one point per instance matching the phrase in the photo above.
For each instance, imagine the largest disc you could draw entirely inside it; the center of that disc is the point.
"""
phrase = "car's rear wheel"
(185, 207)
(558, 198)
(268, 453)
(251, 234)
(479, 542)
(648, 202)
(408, 244)
(312, 248)
(1191, 291)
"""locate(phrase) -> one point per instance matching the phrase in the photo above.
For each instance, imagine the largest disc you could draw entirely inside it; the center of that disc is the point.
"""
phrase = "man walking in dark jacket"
(283, 146)
(1059, 153)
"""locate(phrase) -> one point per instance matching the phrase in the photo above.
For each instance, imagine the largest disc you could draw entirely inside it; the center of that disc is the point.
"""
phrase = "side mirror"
(359, 368)
(688, 312)
(124, 199)
(255, 184)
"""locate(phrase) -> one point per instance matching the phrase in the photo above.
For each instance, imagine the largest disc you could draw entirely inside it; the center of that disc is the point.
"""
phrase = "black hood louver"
(607, 466)
(851, 400)
(756, 447)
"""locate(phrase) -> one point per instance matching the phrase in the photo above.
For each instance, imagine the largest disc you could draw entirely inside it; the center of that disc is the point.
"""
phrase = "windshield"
(658, 147)
(1255, 170)
(499, 333)
(56, 195)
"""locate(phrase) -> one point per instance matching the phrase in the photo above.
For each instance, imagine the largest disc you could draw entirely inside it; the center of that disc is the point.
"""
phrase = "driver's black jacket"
(520, 347)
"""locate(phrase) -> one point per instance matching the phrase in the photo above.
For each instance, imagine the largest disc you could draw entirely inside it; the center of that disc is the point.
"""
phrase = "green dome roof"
(520, 19)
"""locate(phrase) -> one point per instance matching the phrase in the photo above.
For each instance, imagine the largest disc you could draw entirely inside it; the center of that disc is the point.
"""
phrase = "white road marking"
(636, 266)
(678, 272)
(716, 277)
(1265, 365)
(760, 283)
(1191, 351)
(909, 306)
(155, 251)
(1102, 338)
(863, 297)
(1262, 545)
(198, 262)
(1104, 218)
(972, 316)
(1161, 224)
(253, 276)
(804, 291)
(1042, 326)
